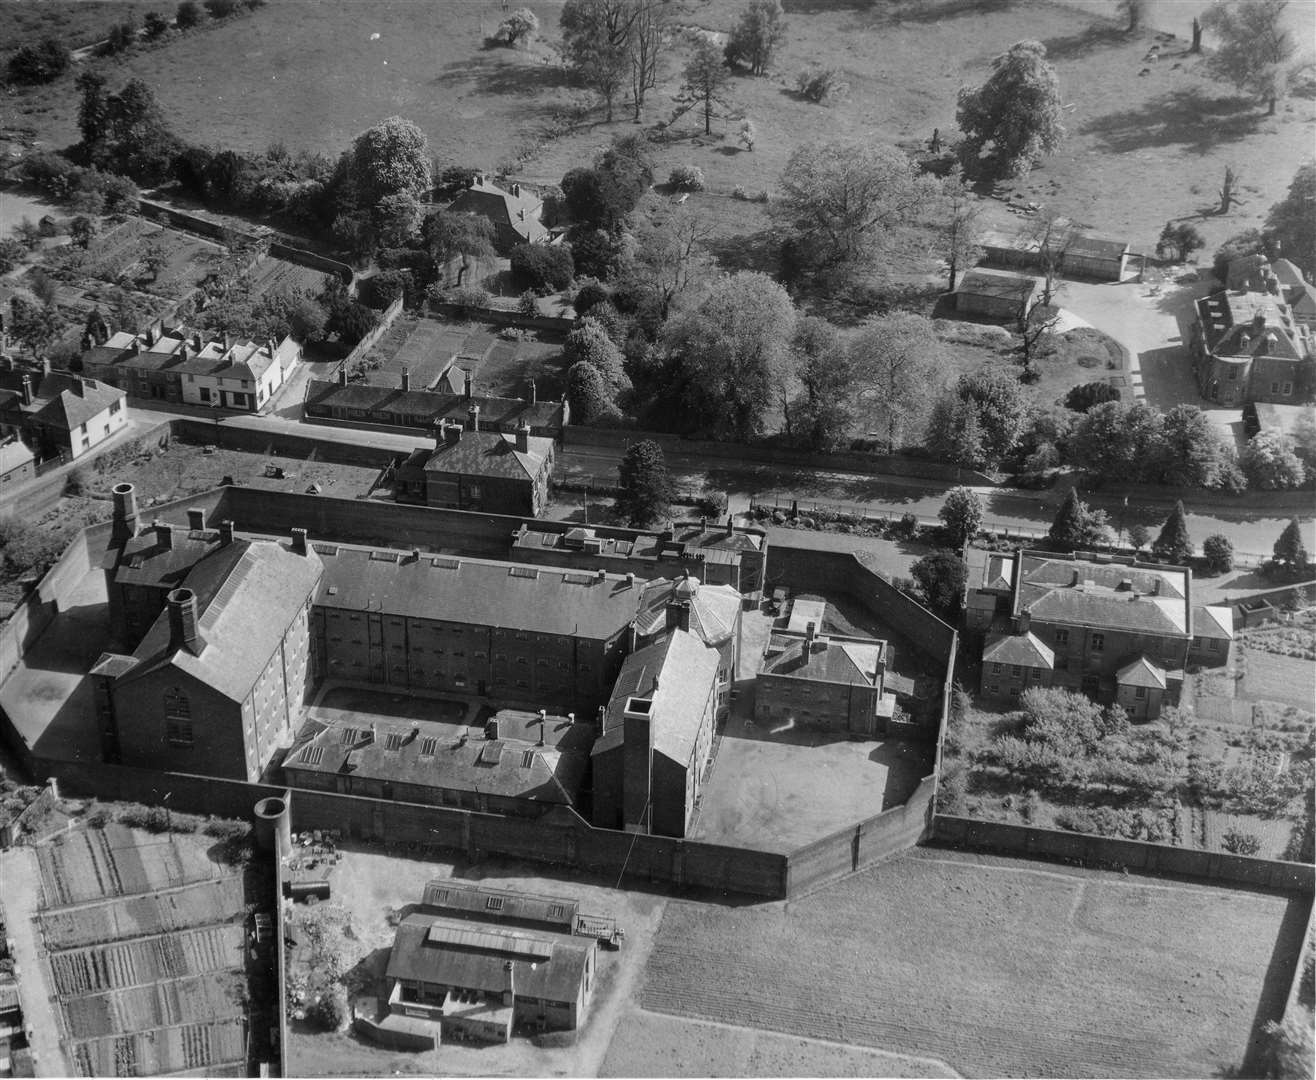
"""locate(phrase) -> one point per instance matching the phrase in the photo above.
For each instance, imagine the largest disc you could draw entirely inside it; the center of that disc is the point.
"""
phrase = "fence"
(1131, 854)
(371, 339)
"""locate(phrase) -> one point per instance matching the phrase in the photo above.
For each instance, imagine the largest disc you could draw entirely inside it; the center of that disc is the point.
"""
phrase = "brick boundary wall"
(498, 316)
(1057, 844)
(873, 464)
(386, 320)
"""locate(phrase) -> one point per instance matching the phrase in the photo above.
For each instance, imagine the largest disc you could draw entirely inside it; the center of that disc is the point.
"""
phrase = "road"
(21, 897)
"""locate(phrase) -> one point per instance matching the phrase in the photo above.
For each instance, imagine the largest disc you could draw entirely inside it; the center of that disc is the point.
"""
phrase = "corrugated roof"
(480, 592)
(498, 905)
(678, 672)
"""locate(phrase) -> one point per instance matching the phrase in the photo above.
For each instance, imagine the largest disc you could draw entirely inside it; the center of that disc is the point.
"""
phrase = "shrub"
(1238, 842)
(546, 268)
(527, 303)
(220, 9)
(589, 295)
(76, 481)
(469, 299)
(154, 819)
(739, 192)
(121, 38)
(223, 829)
(40, 63)
(1218, 552)
(1082, 398)
(157, 25)
(712, 503)
(381, 289)
(686, 178)
(188, 15)
(99, 817)
(329, 1012)
(822, 85)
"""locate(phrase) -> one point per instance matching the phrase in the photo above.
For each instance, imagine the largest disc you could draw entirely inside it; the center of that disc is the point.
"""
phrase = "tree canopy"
(1012, 120)
(840, 201)
(1174, 544)
(646, 488)
(897, 359)
(759, 30)
(961, 513)
(978, 422)
(391, 158)
(1289, 549)
(1292, 220)
(941, 577)
(1254, 47)
(821, 416)
(1075, 526)
(703, 81)
(1270, 462)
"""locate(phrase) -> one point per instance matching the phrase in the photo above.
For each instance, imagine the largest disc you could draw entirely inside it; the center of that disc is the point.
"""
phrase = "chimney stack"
(470, 384)
(523, 438)
(196, 519)
(543, 720)
(79, 386)
(516, 191)
(810, 635)
(299, 541)
(731, 525)
(273, 346)
(164, 534)
(196, 342)
(226, 532)
(25, 390)
(125, 513)
(1258, 323)
(136, 347)
(449, 434)
(406, 379)
(533, 392)
(473, 417)
(678, 615)
(342, 375)
(637, 763)
(184, 632)
(45, 366)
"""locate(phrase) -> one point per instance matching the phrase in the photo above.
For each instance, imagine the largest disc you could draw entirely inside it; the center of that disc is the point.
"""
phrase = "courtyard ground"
(1108, 975)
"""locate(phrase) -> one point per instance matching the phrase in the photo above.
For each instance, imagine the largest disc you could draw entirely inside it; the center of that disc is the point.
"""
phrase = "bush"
(220, 9)
(822, 85)
(76, 481)
(40, 63)
(686, 178)
(590, 294)
(223, 829)
(380, 290)
(1218, 553)
(528, 303)
(121, 38)
(154, 819)
(188, 15)
(1238, 842)
(329, 1013)
(1082, 398)
(546, 268)
(99, 817)
(157, 25)
(469, 300)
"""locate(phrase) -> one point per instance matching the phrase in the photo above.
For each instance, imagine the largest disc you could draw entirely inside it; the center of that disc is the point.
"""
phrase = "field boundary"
(1087, 850)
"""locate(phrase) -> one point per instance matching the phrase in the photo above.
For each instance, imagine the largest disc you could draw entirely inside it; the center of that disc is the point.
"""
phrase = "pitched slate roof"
(1226, 318)
(679, 673)
(518, 212)
(484, 453)
(713, 608)
(59, 399)
(1213, 622)
(244, 606)
(998, 283)
(1085, 593)
(175, 350)
(1026, 650)
(829, 660)
(445, 952)
(146, 559)
(481, 592)
(14, 454)
(1141, 672)
(431, 754)
(498, 412)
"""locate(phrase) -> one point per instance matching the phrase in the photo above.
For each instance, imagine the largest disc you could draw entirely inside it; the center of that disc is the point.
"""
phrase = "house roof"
(998, 573)
(454, 898)
(483, 453)
(14, 454)
(511, 596)
(1213, 622)
(1226, 319)
(997, 283)
(1087, 246)
(435, 405)
(60, 399)
(430, 754)
(520, 212)
(678, 672)
(1026, 650)
(804, 612)
(1141, 672)
(447, 952)
(162, 555)
(713, 608)
(1114, 595)
(833, 660)
(245, 605)
(178, 351)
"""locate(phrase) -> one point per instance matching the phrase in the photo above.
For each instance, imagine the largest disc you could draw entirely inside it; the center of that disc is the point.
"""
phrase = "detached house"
(514, 212)
(1115, 629)
(57, 413)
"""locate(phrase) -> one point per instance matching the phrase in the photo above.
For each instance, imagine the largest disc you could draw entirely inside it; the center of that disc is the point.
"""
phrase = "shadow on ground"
(1178, 117)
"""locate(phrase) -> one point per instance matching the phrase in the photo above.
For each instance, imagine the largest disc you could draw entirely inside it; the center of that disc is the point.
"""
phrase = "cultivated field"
(212, 1049)
(189, 1000)
(147, 960)
(93, 864)
(116, 257)
(1107, 976)
(193, 905)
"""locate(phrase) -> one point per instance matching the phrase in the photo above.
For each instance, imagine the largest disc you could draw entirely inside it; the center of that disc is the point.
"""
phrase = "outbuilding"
(997, 294)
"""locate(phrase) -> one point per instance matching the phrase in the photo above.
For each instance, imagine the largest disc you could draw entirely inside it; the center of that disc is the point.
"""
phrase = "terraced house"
(1115, 629)
(57, 413)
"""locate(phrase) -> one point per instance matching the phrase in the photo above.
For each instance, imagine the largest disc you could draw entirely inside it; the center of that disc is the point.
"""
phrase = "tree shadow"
(499, 78)
(760, 251)
(1185, 117)
(892, 12)
(1097, 36)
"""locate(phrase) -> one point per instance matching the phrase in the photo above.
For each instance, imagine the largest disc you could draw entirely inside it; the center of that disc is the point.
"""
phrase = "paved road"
(21, 896)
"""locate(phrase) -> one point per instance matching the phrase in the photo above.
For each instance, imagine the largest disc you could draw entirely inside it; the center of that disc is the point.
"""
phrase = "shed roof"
(446, 896)
(495, 411)
(14, 454)
(997, 283)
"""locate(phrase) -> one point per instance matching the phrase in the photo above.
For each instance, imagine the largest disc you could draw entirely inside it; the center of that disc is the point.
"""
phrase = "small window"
(393, 741)
(494, 903)
(114, 406)
(1062, 637)
(1140, 692)
(1288, 389)
(204, 392)
(1098, 642)
(1274, 388)
(1017, 670)
(1037, 674)
(997, 669)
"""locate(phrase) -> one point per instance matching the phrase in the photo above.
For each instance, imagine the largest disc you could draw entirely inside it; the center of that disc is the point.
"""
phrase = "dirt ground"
(371, 883)
(1107, 975)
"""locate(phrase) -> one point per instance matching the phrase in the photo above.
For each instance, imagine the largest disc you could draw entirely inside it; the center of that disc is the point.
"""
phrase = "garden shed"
(996, 294)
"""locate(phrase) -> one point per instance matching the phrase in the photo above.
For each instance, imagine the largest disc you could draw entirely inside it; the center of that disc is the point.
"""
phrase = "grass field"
(74, 22)
(1107, 976)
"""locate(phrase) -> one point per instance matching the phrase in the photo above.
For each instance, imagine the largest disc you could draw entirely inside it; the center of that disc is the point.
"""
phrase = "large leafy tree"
(1075, 526)
(961, 513)
(596, 43)
(1290, 550)
(1292, 220)
(821, 416)
(1254, 47)
(1193, 452)
(646, 487)
(588, 394)
(391, 158)
(941, 576)
(451, 236)
(959, 230)
(35, 325)
(600, 196)
(1270, 462)
(728, 353)
(841, 201)
(1118, 440)
(896, 359)
(588, 343)
(756, 35)
(703, 84)
(670, 252)
(1174, 545)
(1012, 120)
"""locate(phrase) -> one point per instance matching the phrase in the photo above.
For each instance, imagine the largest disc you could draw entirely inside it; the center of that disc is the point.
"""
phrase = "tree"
(757, 32)
(188, 15)
(703, 81)
(1290, 551)
(82, 230)
(1081, 399)
(1218, 552)
(391, 158)
(648, 41)
(1075, 526)
(397, 219)
(1139, 534)
(1013, 119)
(646, 488)
(959, 232)
(1192, 450)
(842, 202)
(1001, 407)
(521, 25)
(601, 196)
(588, 394)
(961, 513)
(821, 417)
(1229, 191)
(1035, 325)
(1118, 440)
(670, 252)
(546, 268)
(1270, 463)
(43, 62)
(329, 1011)
(1254, 47)
(1134, 10)
(588, 343)
(154, 258)
(11, 254)
(954, 432)
(896, 358)
(34, 325)
(157, 25)
(1182, 239)
(729, 352)
(220, 9)
(122, 36)
(93, 107)
(941, 577)
(1291, 223)
(596, 43)
(1174, 545)
(450, 236)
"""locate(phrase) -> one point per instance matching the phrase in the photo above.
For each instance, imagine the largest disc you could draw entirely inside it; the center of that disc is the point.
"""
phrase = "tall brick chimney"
(125, 513)
(637, 764)
(196, 519)
(299, 542)
(473, 417)
(523, 439)
(184, 630)
(25, 390)
(164, 534)
(226, 532)
(342, 375)
(406, 379)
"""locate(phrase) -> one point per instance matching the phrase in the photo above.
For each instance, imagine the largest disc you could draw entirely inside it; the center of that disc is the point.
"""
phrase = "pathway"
(20, 895)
